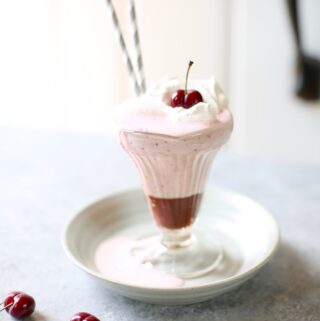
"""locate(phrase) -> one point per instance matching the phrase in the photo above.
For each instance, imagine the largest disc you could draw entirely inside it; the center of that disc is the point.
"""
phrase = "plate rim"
(235, 279)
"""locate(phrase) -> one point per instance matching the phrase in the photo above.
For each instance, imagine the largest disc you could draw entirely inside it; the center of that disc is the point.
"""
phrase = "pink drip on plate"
(114, 261)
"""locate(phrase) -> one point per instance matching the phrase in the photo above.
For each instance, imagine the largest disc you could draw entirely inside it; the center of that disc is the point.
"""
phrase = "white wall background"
(30, 74)
(270, 121)
(61, 67)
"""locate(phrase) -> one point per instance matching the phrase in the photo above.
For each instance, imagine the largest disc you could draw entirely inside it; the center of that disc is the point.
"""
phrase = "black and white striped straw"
(124, 49)
(137, 47)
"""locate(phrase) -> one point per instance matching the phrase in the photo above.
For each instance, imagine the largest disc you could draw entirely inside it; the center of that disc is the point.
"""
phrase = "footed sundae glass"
(174, 171)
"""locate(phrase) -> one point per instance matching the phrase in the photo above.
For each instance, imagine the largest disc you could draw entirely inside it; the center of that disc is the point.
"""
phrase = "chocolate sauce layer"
(175, 213)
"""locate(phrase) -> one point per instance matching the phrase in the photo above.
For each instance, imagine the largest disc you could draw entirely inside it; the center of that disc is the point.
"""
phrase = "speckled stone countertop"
(45, 177)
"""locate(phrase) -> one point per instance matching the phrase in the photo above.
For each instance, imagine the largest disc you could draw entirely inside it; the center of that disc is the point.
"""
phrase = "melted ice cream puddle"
(114, 260)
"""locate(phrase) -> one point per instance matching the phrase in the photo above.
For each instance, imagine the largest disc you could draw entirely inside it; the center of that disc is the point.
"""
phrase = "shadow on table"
(285, 279)
(37, 316)
(280, 288)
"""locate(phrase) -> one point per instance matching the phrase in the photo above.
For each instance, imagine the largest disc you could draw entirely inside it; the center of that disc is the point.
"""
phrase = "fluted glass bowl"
(174, 171)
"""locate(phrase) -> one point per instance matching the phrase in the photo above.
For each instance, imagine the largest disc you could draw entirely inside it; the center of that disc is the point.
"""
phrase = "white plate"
(248, 233)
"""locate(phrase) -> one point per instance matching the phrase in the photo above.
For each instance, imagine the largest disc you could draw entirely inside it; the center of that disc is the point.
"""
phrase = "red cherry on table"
(19, 305)
(84, 316)
(192, 98)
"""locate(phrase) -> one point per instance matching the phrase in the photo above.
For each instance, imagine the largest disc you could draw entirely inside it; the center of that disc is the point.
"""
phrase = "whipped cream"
(152, 112)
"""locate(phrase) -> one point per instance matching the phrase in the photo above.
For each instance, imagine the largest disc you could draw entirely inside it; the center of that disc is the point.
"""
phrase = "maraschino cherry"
(186, 98)
(84, 316)
(19, 305)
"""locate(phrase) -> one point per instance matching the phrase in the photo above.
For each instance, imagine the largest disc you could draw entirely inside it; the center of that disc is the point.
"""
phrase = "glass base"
(179, 253)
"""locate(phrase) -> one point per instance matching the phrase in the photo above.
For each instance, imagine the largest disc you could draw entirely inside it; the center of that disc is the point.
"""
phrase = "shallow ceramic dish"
(248, 233)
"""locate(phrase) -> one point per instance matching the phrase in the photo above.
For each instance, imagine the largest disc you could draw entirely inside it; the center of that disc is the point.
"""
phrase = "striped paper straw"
(137, 47)
(124, 49)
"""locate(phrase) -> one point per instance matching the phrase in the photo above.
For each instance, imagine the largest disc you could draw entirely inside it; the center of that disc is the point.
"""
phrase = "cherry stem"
(186, 85)
(6, 306)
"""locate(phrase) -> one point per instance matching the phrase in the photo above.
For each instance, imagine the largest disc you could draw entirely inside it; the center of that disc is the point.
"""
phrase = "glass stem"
(173, 239)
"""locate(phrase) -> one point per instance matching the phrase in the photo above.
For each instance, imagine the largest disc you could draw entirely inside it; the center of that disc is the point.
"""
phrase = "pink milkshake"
(173, 148)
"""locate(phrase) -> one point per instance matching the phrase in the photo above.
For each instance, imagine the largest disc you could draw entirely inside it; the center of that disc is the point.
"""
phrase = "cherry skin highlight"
(192, 98)
(19, 305)
(177, 99)
(84, 316)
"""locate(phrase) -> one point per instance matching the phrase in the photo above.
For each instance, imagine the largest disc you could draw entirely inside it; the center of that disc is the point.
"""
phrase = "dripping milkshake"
(172, 135)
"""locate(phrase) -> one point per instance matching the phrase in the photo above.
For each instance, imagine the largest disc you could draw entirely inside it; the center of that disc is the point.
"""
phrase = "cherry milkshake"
(172, 135)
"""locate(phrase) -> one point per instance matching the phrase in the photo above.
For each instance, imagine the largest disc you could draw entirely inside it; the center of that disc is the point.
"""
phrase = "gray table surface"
(45, 177)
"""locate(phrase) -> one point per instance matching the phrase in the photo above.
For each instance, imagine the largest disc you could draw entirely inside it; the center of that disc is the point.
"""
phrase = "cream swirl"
(152, 112)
